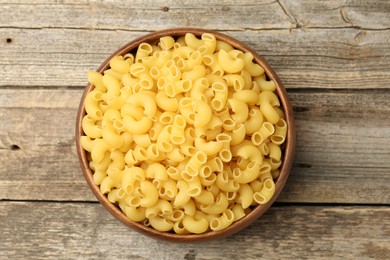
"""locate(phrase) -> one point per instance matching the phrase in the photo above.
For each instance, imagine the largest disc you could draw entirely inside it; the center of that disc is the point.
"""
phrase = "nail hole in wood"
(301, 109)
(165, 9)
(9, 40)
(304, 165)
(14, 147)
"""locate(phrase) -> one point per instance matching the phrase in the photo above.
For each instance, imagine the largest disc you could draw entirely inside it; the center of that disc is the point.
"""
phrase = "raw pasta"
(184, 134)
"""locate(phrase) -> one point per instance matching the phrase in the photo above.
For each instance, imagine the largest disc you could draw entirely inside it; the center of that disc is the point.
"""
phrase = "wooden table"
(332, 56)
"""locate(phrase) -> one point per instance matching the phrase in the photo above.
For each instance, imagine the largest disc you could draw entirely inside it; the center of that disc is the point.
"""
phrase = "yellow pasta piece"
(160, 223)
(96, 79)
(232, 61)
(91, 104)
(245, 197)
(279, 136)
(134, 213)
(265, 194)
(161, 208)
(166, 43)
(182, 197)
(219, 206)
(224, 183)
(90, 128)
(195, 226)
(253, 68)
(240, 110)
(265, 84)
(223, 221)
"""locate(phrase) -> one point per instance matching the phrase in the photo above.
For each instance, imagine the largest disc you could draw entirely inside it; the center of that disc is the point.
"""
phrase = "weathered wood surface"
(43, 230)
(344, 47)
(332, 56)
(342, 146)
(228, 15)
(345, 58)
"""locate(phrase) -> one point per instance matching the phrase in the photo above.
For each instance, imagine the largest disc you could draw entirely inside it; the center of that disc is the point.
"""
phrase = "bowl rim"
(257, 211)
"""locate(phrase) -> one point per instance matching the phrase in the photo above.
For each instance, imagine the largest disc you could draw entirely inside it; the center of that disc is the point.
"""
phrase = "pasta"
(184, 134)
(225, 220)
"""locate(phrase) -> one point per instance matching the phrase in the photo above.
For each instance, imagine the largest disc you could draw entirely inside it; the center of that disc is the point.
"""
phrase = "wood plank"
(231, 15)
(315, 58)
(342, 147)
(68, 231)
(130, 15)
(37, 146)
(356, 13)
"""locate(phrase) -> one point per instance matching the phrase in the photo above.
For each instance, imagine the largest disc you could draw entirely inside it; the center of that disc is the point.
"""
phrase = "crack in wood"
(298, 26)
(300, 109)
(289, 15)
(344, 16)
(13, 147)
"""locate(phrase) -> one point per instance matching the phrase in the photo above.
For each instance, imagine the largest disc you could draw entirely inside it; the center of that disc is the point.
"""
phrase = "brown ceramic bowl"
(288, 152)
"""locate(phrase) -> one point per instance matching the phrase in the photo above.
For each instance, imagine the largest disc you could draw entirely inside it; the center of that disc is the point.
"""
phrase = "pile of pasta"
(185, 134)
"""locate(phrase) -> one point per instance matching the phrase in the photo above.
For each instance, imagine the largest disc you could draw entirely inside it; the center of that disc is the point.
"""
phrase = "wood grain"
(332, 56)
(231, 15)
(130, 15)
(68, 230)
(371, 15)
(342, 147)
(317, 58)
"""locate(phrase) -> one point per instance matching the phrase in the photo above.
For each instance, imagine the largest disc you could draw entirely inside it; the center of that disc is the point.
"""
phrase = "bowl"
(287, 155)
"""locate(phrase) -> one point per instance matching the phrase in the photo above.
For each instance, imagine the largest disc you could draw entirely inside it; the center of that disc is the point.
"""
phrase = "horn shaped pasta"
(184, 134)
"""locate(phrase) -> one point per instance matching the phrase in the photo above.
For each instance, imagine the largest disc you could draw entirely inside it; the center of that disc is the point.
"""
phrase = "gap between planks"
(275, 204)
